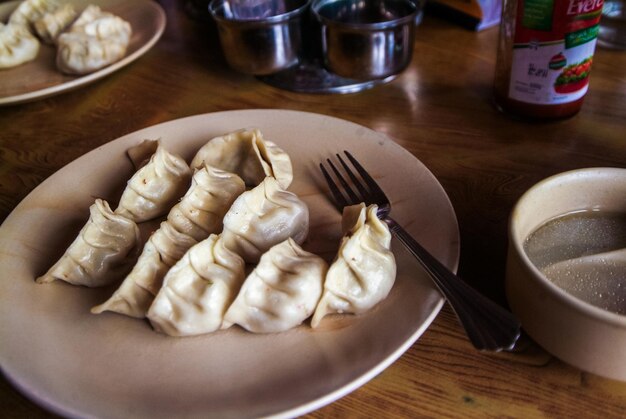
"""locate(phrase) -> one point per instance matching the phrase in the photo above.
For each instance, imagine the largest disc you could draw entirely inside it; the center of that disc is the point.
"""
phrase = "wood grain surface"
(441, 110)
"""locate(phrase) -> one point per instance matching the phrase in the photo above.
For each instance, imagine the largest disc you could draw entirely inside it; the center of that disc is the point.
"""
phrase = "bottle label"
(553, 50)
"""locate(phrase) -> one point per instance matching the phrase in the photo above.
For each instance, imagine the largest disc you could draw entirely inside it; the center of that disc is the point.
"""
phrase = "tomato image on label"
(557, 62)
(573, 77)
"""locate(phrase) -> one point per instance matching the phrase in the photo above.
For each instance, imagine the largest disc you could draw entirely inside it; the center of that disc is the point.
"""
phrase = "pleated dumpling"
(197, 291)
(29, 11)
(17, 46)
(100, 253)
(96, 23)
(78, 54)
(51, 24)
(281, 292)
(364, 270)
(162, 250)
(202, 209)
(154, 188)
(248, 154)
(194, 218)
(95, 40)
(262, 217)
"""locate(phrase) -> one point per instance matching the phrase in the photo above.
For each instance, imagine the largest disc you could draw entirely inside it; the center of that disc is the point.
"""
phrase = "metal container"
(612, 32)
(260, 37)
(366, 40)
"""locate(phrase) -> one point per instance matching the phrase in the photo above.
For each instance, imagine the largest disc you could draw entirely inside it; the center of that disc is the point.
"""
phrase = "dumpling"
(248, 154)
(364, 270)
(79, 55)
(29, 11)
(194, 218)
(89, 14)
(51, 24)
(154, 188)
(94, 22)
(262, 217)
(202, 209)
(281, 292)
(17, 46)
(95, 40)
(197, 291)
(140, 154)
(100, 253)
(163, 249)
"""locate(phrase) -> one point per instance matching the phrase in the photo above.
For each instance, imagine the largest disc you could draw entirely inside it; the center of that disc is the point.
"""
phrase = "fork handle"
(488, 325)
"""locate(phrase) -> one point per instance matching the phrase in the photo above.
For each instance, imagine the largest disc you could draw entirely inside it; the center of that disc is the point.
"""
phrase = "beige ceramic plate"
(108, 365)
(40, 78)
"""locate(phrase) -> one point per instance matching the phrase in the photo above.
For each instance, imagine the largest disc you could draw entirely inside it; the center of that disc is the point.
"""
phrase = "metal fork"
(488, 326)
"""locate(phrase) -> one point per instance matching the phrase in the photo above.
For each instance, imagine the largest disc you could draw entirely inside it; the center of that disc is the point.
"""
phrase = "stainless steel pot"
(366, 39)
(263, 39)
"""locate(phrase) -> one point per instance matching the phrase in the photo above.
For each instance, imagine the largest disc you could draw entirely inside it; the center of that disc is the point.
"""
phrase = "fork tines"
(368, 191)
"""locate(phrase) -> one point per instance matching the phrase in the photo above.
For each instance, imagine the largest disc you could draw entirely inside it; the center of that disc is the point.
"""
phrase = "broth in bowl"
(584, 253)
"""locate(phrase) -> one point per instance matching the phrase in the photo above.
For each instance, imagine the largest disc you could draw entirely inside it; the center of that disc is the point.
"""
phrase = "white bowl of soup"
(566, 268)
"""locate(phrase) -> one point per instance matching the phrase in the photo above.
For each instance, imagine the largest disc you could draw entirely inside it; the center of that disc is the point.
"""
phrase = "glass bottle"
(545, 52)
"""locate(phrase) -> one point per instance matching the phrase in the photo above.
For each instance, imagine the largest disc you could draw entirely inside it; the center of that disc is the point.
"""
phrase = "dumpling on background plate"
(364, 269)
(263, 217)
(96, 23)
(197, 290)
(281, 292)
(17, 46)
(194, 218)
(95, 40)
(49, 26)
(248, 154)
(101, 249)
(29, 11)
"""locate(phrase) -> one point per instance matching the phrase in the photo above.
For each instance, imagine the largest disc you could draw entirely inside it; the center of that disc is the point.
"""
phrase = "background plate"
(108, 365)
(40, 78)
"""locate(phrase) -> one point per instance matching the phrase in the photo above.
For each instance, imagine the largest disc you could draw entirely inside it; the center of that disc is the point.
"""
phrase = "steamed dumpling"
(281, 292)
(155, 187)
(200, 212)
(91, 13)
(162, 250)
(262, 217)
(51, 24)
(99, 24)
(100, 251)
(194, 218)
(364, 270)
(29, 11)
(197, 291)
(95, 40)
(78, 54)
(17, 46)
(247, 154)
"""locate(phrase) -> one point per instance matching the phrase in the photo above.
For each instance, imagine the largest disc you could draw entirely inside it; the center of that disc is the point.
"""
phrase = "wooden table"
(441, 110)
